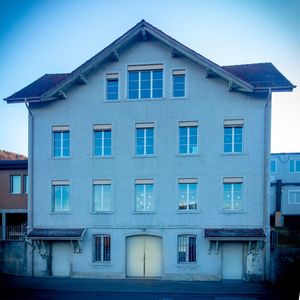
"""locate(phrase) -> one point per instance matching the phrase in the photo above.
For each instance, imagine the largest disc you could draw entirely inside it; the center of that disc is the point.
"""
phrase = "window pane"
(292, 169)
(15, 184)
(97, 191)
(192, 249)
(112, 89)
(182, 201)
(297, 165)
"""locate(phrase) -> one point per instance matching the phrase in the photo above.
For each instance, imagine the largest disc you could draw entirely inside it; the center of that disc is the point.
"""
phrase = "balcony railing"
(285, 237)
(13, 233)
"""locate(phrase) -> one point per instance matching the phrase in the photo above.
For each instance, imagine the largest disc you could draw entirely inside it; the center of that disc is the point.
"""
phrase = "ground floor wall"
(149, 257)
(13, 257)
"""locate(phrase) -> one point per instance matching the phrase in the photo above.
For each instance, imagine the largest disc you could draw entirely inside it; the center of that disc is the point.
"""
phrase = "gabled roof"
(236, 77)
(260, 76)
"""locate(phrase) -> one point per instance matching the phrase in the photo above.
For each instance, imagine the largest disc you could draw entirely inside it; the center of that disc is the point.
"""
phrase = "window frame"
(61, 129)
(144, 127)
(102, 259)
(188, 125)
(273, 160)
(233, 124)
(176, 73)
(12, 184)
(140, 69)
(144, 183)
(61, 184)
(188, 182)
(189, 259)
(290, 191)
(295, 162)
(232, 181)
(109, 77)
(102, 183)
(102, 129)
(25, 184)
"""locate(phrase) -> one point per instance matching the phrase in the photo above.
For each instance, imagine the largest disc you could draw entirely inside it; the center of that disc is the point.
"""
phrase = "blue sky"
(56, 36)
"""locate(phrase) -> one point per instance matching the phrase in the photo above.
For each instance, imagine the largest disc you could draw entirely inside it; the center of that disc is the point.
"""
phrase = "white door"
(232, 260)
(61, 253)
(144, 256)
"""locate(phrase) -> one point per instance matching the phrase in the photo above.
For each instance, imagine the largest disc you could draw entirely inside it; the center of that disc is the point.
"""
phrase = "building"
(13, 199)
(145, 163)
(285, 190)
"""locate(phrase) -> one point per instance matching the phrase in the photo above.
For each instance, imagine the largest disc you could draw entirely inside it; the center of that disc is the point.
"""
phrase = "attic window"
(112, 86)
(145, 81)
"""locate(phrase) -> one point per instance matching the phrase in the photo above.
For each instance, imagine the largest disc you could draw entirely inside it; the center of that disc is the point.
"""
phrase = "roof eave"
(22, 100)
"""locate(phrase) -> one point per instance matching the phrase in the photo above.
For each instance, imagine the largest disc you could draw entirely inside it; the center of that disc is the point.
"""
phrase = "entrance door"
(144, 256)
(61, 253)
(232, 261)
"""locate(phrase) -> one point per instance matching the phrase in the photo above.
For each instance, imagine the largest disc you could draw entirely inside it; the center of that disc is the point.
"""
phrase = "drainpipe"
(30, 177)
(266, 196)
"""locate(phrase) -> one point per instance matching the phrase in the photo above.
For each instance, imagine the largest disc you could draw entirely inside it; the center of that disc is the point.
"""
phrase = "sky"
(57, 36)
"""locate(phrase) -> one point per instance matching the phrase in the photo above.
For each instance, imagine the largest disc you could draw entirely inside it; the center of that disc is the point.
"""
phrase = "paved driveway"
(16, 287)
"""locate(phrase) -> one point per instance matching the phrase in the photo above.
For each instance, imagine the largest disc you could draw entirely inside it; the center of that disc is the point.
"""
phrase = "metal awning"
(54, 234)
(235, 234)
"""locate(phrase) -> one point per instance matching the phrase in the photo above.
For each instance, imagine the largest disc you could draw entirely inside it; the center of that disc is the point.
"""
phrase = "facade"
(285, 190)
(13, 198)
(153, 168)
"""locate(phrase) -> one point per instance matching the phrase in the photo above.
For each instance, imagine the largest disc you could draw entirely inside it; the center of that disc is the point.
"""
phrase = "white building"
(149, 160)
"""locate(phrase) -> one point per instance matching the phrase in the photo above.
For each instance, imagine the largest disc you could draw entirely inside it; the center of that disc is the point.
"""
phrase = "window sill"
(101, 264)
(178, 98)
(188, 212)
(187, 264)
(145, 99)
(188, 155)
(102, 157)
(143, 212)
(101, 212)
(233, 154)
(60, 157)
(60, 213)
(232, 212)
(145, 156)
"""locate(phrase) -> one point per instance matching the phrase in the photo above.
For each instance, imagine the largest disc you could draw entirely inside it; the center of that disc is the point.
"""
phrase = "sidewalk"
(232, 287)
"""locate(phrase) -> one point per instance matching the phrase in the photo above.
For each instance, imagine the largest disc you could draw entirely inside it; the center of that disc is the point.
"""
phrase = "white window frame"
(102, 249)
(110, 77)
(60, 183)
(102, 128)
(102, 183)
(178, 72)
(61, 129)
(187, 181)
(294, 161)
(185, 248)
(144, 126)
(13, 187)
(188, 125)
(232, 181)
(144, 182)
(293, 202)
(236, 123)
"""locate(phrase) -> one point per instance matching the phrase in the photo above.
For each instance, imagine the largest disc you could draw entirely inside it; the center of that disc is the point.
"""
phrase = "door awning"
(235, 234)
(54, 234)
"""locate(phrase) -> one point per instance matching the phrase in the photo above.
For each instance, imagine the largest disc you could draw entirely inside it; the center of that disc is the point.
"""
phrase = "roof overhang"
(56, 234)
(235, 234)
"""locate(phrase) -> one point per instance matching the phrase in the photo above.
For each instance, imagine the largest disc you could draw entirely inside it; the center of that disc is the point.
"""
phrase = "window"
(178, 83)
(112, 86)
(233, 136)
(144, 201)
(294, 165)
(294, 197)
(188, 137)
(15, 184)
(102, 195)
(187, 194)
(101, 248)
(186, 248)
(61, 141)
(60, 196)
(102, 140)
(232, 198)
(273, 166)
(144, 139)
(145, 81)
(25, 184)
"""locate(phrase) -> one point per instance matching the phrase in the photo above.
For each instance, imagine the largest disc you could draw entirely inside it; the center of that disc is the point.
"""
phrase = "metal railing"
(281, 237)
(15, 233)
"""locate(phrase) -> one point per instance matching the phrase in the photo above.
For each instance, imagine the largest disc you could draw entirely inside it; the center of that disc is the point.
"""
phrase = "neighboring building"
(13, 199)
(149, 160)
(285, 190)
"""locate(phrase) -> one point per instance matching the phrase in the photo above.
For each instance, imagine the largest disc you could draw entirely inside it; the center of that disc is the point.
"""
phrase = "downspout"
(266, 202)
(30, 177)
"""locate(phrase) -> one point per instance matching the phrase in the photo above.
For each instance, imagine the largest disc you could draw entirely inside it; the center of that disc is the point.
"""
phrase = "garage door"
(144, 256)
(232, 261)
(61, 253)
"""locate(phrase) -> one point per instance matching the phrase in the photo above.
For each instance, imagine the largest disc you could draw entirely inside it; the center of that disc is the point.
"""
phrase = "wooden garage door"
(144, 256)
(232, 261)
(61, 254)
